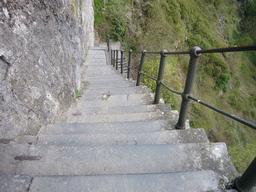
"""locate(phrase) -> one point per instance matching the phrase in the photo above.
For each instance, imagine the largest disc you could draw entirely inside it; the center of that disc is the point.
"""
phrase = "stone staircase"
(114, 139)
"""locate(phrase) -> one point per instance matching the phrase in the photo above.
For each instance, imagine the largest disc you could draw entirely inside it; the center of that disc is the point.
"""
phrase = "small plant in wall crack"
(78, 94)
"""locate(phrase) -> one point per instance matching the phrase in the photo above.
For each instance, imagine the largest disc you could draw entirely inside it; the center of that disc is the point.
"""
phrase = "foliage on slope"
(226, 80)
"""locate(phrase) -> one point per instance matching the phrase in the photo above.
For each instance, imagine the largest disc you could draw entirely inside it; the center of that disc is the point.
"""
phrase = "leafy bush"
(116, 17)
(222, 81)
(194, 40)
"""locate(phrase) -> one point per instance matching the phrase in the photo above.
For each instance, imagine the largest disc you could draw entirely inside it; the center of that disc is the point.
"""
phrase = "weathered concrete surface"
(125, 159)
(42, 45)
(17, 183)
(162, 137)
(105, 128)
(196, 181)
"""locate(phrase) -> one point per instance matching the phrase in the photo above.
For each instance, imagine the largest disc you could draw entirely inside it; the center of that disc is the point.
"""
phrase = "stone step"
(84, 117)
(104, 75)
(96, 57)
(114, 76)
(98, 54)
(107, 128)
(73, 111)
(95, 54)
(102, 92)
(205, 180)
(109, 83)
(99, 70)
(145, 116)
(102, 88)
(98, 49)
(118, 100)
(105, 78)
(99, 73)
(97, 62)
(13, 183)
(93, 140)
(91, 58)
(126, 159)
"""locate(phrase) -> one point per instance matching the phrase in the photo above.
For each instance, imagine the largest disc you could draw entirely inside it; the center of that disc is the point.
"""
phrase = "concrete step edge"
(163, 137)
(108, 127)
(126, 159)
(204, 180)
(144, 116)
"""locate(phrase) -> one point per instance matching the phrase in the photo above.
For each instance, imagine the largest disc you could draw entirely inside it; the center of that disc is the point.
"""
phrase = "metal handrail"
(247, 123)
(228, 49)
(247, 180)
(178, 93)
(149, 76)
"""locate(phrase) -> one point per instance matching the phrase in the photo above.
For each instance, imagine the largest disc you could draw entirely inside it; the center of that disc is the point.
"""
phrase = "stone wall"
(43, 43)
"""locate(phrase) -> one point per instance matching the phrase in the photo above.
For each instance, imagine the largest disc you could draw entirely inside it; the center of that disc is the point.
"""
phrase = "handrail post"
(116, 59)
(108, 41)
(111, 57)
(129, 64)
(246, 182)
(193, 62)
(122, 57)
(142, 60)
(160, 76)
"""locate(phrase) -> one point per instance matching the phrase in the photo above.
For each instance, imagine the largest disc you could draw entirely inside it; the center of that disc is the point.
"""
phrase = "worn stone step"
(106, 77)
(93, 68)
(196, 181)
(13, 183)
(163, 137)
(98, 57)
(73, 111)
(92, 61)
(118, 89)
(110, 83)
(96, 62)
(99, 70)
(93, 55)
(84, 117)
(101, 93)
(101, 47)
(91, 73)
(115, 76)
(126, 159)
(107, 128)
(145, 116)
(118, 100)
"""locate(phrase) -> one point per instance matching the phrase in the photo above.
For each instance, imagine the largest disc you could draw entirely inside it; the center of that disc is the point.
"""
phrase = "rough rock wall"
(42, 46)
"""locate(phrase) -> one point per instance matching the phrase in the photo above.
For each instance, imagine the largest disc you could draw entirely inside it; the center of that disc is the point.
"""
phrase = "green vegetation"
(78, 94)
(225, 80)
